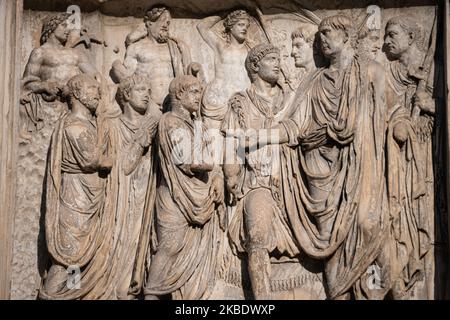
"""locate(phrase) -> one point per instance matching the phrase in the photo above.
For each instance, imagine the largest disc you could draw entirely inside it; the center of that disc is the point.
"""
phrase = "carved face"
(139, 97)
(159, 29)
(396, 40)
(269, 68)
(89, 95)
(302, 52)
(332, 41)
(191, 97)
(239, 30)
(62, 32)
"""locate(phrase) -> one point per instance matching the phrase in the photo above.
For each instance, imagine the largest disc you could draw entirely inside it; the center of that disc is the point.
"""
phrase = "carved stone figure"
(333, 166)
(49, 68)
(230, 51)
(154, 54)
(259, 226)
(410, 158)
(189, 203)
(131, 186)
(76, 226)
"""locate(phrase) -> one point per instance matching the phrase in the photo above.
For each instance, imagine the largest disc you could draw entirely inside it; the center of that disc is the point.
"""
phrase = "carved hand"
(400, 133)
(144, 137)
(217, 188)
(50, 88)
(424, 101)
(106, 163)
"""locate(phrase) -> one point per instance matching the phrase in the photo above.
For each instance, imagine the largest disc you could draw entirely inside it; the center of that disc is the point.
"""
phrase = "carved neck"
(54, 41)
(80, 111)
(265, 88)
(341, 60)
(178, 108)
(310, 66)
(411, 57)
(130, 114)
(235, 42)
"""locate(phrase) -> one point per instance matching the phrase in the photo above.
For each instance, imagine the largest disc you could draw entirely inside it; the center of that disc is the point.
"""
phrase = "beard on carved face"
(269, 75)
(89, 102)
(162, 36)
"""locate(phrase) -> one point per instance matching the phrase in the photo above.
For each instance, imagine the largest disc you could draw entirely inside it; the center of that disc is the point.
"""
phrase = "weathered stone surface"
(344, 198)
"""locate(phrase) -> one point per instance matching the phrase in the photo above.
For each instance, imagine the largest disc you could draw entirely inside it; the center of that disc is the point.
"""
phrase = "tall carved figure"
(410, 157)
(259, 226)
(332, 167)
(189, 202)
(131, 186)
(154, 54)
(76, 226)
(230, 51)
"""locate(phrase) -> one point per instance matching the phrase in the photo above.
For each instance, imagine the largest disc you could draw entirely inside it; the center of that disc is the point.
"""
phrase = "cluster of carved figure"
(344, 175)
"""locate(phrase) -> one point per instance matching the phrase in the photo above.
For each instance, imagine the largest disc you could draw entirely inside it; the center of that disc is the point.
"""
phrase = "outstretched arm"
(205, 29)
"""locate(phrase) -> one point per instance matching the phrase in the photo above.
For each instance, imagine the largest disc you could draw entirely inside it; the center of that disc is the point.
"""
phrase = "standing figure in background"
(49, 68)
(154, 54)
(305, 51)
(410, 158)
(230, 51)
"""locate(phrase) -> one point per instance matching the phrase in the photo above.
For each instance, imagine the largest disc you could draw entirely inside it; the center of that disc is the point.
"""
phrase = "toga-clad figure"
(189, 202)
(76, 225)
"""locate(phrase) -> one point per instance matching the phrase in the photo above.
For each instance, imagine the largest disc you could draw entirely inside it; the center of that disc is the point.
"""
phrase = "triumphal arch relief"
(241, 149)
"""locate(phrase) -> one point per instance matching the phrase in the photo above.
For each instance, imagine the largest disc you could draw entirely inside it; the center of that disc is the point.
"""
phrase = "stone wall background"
(112, 23)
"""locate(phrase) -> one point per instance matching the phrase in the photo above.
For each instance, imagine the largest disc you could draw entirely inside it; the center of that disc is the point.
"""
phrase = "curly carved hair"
(256, 54)
(232, 18)
(154, 13)
(410, 26)
(126, 85)
(180, 84)
(50, 25)
(75, 85)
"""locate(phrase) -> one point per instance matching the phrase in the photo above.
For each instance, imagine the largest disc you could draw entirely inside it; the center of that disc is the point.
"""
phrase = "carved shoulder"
(34, 62)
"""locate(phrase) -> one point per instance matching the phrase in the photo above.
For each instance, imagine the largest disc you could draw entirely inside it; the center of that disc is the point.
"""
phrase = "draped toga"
(333, 174)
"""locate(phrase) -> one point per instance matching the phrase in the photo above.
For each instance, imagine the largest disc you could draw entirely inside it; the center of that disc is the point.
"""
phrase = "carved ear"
(255, 67)
(179, 95)
(346, 37)
(412, 37)
(126, 95)
(77, 93)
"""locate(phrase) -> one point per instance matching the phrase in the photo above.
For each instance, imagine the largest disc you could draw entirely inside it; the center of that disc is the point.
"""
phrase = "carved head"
(85, 89)
(134, 90)
(56, 25)
(369, 42)
(236, 25)
(336, 33)
(157, 20)
(186, 91)
(304, 45)
(401, 33)
(263, 61)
